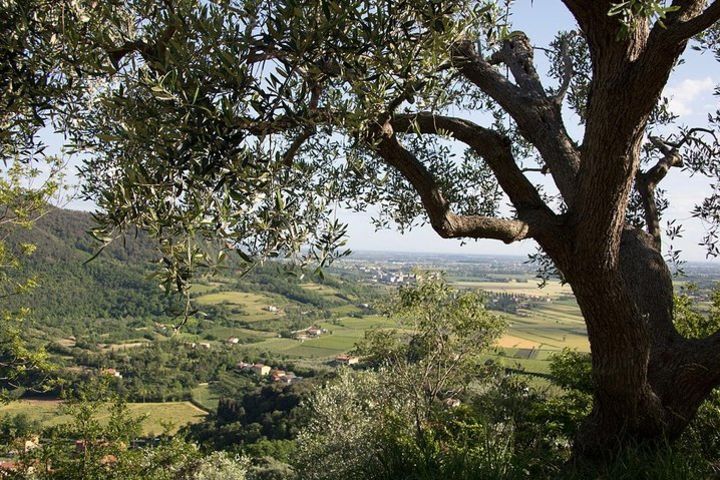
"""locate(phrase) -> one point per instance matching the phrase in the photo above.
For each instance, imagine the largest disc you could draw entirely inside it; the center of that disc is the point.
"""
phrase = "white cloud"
(684, 94)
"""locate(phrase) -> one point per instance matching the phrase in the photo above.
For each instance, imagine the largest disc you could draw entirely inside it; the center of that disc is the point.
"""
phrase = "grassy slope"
(49, 412)
(203, 396)
(342, 335)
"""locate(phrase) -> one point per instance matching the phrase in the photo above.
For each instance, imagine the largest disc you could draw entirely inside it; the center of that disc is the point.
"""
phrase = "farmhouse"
(315, 331)
(310, 332)
(233, 340)
(276, 375)
(260, 369)
(243, 366)
(347, 359)
(281, 376)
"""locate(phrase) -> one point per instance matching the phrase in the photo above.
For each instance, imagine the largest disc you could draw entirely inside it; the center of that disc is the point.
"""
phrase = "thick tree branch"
(446, 223)
(586, 11)
(295, 146)
(592, 17)
(692, 20)
(150, 53)
(517, 54)
(668, 41)
(493, 147)
(538, 118)
(628, 78)
(650, 210)
(702, 365)
(646, 182)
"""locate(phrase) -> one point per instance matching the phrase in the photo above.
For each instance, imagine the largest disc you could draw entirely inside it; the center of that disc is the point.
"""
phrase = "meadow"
(245, 306)
(204, 397)
(324, 290)
(158, 415)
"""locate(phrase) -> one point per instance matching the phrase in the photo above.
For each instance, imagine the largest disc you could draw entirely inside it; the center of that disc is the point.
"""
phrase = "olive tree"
(243, 124)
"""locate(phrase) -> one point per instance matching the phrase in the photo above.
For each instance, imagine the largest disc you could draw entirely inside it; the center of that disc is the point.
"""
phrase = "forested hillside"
(76, 288)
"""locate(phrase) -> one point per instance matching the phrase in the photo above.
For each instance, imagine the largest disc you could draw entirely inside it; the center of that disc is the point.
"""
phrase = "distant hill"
(114, 285)
(63, 235)
(113, 295)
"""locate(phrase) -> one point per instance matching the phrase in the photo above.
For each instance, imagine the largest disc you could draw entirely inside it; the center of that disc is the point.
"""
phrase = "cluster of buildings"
(310, 332)
(15, 468)
(392, 278)
(12, 468)
(275, 374)
(380, 274)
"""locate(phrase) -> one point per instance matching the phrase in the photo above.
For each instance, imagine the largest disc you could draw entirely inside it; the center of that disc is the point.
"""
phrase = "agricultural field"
(200, 288)
(204, 397)
(324, 290)
(528, 287)
(347, 310)
(248, 307)
(551, 323)
(547, 321)
(342, 335)
(174, 414)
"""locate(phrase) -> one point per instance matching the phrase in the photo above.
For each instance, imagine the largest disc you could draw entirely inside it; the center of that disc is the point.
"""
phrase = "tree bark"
(648, 380)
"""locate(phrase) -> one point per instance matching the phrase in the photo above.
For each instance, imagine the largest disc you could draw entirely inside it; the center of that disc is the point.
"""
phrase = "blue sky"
(690, 90)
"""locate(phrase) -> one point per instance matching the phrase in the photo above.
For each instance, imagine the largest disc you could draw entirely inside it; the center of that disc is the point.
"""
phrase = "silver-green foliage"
(240, 124)
(221, 466)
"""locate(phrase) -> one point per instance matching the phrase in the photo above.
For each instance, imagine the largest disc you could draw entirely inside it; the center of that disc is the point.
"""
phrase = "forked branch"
(538, 117)
(646, 184)
(492, 146)
(685, 29)
(446, 223)
(517, 54)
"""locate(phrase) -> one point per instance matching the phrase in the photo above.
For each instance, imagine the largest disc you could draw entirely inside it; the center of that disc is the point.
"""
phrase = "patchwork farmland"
(546, 321)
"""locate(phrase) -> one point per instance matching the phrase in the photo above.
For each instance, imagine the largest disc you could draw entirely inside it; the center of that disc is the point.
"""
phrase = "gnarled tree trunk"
(649, 380)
